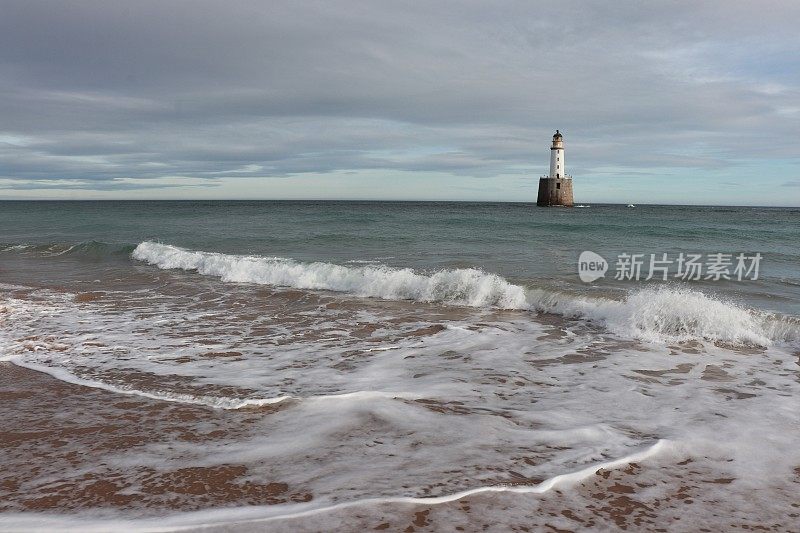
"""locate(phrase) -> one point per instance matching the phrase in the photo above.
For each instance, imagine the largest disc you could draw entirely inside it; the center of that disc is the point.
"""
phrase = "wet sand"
(679, 496)
(57, 443)
(56, 439)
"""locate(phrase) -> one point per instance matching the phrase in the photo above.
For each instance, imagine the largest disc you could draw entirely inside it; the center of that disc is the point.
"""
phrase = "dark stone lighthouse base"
(555, 192)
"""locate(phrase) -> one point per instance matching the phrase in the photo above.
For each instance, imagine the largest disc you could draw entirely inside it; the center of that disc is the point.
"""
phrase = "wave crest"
(674, 314)
(466, 286)
(665, 314)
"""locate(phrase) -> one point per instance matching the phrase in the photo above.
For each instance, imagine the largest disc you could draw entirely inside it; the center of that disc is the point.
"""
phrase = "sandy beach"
(147, 386)
(51, 433)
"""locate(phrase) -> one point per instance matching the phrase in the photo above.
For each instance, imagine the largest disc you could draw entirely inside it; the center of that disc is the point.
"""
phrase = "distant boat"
(579, 205)
(631, 205)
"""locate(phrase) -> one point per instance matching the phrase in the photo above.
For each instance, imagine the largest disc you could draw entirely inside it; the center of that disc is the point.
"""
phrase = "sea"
(399, 366)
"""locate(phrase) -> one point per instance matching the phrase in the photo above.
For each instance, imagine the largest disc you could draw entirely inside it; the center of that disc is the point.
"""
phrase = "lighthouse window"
(558, 185)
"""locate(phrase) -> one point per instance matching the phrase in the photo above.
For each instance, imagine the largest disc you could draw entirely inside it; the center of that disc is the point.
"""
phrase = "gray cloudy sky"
(673, 102)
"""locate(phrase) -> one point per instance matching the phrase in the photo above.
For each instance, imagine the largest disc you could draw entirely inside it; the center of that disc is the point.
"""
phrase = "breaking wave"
(465, 286)
(665, 314)
(674, 314)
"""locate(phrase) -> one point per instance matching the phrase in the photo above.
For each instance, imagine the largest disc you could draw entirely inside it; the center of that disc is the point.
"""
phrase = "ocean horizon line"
(372, 201)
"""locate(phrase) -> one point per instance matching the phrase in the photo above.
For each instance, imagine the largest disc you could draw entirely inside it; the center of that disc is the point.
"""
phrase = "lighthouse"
(556, 188)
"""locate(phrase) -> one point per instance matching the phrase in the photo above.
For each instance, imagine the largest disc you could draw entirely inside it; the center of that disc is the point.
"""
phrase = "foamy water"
(660, 315)
(346, 389)
(459, 287)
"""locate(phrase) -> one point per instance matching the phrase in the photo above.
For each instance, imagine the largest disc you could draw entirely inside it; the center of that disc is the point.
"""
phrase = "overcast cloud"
(268, 98)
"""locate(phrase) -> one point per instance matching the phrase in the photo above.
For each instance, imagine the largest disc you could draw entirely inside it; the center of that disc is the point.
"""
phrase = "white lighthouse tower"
(556, 188)
(557, 157)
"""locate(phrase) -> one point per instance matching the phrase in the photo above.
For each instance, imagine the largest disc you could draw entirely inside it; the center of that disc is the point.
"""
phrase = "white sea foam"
(567, 479)
(494, 391)
(673, 314)
(666, 314)
(465, 286)
(216, 402)
(12, 287)
(16, 247)
(252, 515)
(208, 401)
